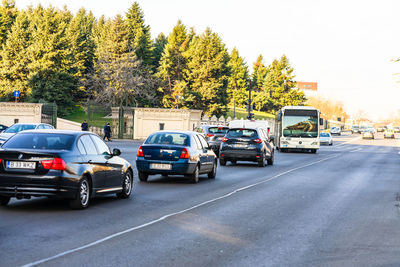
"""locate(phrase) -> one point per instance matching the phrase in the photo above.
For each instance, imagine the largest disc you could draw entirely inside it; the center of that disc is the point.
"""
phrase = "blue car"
(176, 153)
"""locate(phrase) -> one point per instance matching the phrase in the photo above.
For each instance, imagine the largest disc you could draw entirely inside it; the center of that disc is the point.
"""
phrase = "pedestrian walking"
(107, 132)
(85, 126)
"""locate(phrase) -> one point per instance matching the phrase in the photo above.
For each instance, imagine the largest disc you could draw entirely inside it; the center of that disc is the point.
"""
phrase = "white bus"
(297, 127)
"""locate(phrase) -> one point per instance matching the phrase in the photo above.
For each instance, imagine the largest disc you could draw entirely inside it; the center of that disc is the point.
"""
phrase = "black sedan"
(247, 144)
(176, 153)
(62, 164)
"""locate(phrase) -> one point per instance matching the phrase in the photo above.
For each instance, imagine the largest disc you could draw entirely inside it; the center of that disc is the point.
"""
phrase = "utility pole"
(250, 105)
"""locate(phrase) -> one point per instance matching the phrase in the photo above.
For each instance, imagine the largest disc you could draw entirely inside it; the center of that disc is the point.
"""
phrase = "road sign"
(16, 93)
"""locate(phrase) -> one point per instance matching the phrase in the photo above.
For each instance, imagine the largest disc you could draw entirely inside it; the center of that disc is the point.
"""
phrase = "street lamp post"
(177, 100)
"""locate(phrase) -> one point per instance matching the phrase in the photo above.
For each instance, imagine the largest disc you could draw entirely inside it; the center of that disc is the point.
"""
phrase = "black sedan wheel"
(4, 200)
(213, 173)
(222, 162)
(194, 178)
(143, 176)
(126, 186)
(82, 199)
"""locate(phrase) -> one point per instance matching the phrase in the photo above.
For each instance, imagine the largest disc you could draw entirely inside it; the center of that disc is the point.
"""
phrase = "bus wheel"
(313, 151)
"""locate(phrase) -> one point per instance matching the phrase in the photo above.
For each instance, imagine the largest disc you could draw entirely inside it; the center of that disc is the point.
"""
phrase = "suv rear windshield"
(241, 133)
(218, 130)
(168, 139)
(41, 141)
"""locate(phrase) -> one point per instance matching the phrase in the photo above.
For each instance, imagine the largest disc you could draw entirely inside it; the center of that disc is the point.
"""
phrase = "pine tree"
(279, 84)
(207, 74)
(14, 61)
(172, 64)
(238, 79)
(50, 47)
(159, 45)
(139, 34)
(259, 74)
(8, 14)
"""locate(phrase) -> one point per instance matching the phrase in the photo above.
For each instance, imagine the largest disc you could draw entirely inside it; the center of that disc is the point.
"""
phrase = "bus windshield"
(300, 126)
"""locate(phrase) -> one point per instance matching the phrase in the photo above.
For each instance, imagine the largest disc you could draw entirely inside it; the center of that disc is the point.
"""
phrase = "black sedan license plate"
(21, 165)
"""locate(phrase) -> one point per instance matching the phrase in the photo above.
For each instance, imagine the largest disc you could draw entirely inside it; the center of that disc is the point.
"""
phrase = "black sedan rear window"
(236, 133)
(168, 139)
(218, 130)
(40, 141)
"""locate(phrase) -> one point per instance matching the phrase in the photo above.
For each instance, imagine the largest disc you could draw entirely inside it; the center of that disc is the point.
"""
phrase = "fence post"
(120, 122)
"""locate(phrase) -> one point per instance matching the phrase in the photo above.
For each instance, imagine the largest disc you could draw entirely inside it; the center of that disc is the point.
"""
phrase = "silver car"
(18, 127)
(335, 130)
(325, 139)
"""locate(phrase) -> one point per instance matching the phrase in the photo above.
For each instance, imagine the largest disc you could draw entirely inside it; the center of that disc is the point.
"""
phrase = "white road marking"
(171, 214)
(355, 150)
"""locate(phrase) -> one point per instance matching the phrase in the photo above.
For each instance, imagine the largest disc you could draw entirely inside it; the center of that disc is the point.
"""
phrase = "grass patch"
(96, 118)
(242, 113)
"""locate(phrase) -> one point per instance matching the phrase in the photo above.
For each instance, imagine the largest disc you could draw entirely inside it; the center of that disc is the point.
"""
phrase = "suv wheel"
(261, 161)
(222, 162)
(4, 200)
(270, 161)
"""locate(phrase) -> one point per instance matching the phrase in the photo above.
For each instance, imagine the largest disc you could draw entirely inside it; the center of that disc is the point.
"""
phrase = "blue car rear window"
(168, 139)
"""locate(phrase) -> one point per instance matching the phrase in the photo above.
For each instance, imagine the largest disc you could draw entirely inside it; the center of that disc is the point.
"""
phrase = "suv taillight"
(54, 164)
(209, 135)
(258, 140)
(224, 139)
(140, 152)
(184, 154)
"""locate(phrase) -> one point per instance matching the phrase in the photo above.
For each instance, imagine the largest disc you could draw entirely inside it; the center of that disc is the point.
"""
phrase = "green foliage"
(8, 14)
(81, 48)
(14, 62)
(242, 113)
(172, 65)
(278, 88)
(53, 86)
(207, 74)
(237, 80)
(259, 74)
(139, 35)
(159, 45)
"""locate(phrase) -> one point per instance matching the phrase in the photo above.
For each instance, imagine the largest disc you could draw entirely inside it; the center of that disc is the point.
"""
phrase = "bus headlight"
(315, 143)
(284, 142)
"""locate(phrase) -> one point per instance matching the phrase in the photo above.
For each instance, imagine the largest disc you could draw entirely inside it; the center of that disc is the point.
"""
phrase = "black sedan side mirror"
(116, 152)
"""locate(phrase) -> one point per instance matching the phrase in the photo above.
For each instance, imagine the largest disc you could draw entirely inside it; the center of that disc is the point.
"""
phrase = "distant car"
(176, 153)
(335, 130)
(62, 164)
(325, 139)
(396, 129)
(247, 144)
(2, 127)
(18, 127)
(389, 133)
(213, 135)
(355, 129)
(368, 134)
(380, 129)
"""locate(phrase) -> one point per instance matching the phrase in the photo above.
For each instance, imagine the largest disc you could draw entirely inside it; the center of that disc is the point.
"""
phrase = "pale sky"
(347, 46)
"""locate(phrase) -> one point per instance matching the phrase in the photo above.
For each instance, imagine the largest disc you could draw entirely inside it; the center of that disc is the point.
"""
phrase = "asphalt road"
(339, 207)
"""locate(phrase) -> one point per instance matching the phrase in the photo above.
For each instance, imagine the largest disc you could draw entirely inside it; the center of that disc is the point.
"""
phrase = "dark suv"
(247, 144)
(213, 135)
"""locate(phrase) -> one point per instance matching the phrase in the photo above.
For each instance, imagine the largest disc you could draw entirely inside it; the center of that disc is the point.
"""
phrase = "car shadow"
(175, 179)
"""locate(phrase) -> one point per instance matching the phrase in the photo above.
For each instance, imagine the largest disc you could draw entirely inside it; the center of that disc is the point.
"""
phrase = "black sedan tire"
(143, 176)
(126, 186)
(234, 162)
(213, 173)
(83, 196)
(194, 177)
(222, 162)
(4, 200)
